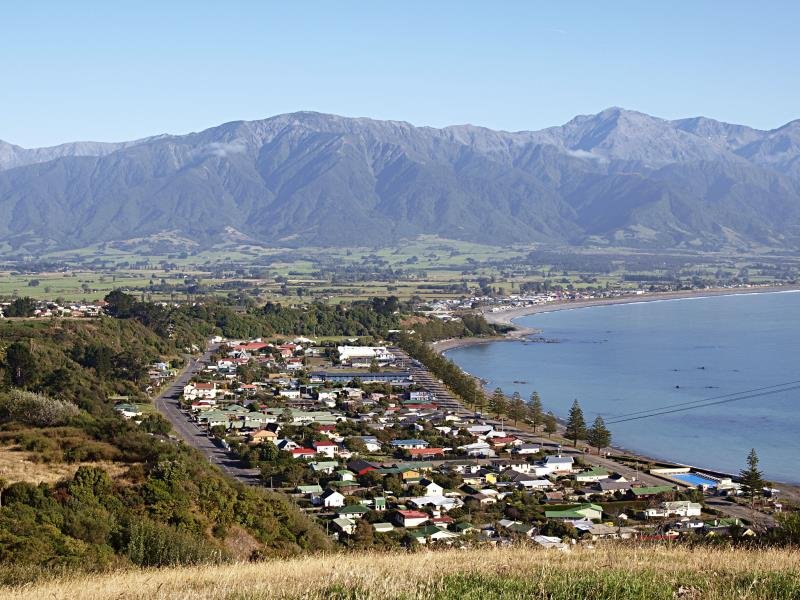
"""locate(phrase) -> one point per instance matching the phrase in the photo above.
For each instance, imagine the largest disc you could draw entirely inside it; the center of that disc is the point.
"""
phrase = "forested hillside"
(167, 505)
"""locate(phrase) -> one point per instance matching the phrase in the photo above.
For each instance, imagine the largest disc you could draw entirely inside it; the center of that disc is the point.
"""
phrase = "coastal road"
(168, 404)
(758, 518)
(448, 401)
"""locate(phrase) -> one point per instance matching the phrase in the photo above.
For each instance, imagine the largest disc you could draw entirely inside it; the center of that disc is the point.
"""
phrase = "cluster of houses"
(382, 451)
(45, 309)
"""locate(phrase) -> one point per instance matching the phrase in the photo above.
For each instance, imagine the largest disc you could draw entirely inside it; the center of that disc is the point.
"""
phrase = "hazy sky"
(102, 71)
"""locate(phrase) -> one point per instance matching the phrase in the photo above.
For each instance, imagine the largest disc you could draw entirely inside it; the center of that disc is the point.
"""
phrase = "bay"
(625, 358)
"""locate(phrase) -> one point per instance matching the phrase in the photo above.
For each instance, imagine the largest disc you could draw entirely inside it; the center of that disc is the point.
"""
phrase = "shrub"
(152, 544)
(37, 409)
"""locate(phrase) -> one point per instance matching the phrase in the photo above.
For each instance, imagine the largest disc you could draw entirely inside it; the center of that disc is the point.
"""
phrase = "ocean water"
(623, 359)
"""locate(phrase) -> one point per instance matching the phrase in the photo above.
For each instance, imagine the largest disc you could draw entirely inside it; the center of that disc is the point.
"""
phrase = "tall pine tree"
(516, 409)
(598, 435)
(576, 424)
(550, 424)
(535, 411)
(497, 403)
(751, 478)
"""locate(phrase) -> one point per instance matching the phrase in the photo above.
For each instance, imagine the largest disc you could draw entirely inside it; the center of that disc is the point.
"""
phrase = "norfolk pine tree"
(598, 435)
(576, 425)
(516, 409)
(751, 478)
(550, 424)
(497, 403)
(535, 412)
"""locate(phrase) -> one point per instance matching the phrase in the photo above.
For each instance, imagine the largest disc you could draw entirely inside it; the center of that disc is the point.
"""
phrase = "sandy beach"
(506, 317)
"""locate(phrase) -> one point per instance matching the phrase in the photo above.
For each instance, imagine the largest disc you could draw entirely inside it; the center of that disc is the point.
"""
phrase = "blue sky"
(103, 71)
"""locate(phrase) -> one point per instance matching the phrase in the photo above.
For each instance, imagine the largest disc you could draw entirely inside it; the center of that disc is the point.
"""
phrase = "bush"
(37, 409)
(152, 544)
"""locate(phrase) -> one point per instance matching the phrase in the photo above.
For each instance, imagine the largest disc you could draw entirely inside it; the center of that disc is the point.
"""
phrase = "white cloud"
(223, 149)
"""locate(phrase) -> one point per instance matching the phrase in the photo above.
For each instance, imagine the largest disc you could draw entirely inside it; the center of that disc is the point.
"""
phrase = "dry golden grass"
(16, 465)
(423, 575)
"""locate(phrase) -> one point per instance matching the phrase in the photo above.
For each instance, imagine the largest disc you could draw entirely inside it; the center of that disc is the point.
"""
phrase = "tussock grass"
(609, 571)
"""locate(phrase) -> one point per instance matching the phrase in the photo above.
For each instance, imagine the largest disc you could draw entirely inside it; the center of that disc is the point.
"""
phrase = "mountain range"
(619, 178)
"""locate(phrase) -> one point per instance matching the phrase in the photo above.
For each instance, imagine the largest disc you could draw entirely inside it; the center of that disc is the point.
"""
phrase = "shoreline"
(518, 333)
(507, 317)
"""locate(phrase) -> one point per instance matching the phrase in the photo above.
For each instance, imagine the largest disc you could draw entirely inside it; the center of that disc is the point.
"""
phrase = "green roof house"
(582, 511)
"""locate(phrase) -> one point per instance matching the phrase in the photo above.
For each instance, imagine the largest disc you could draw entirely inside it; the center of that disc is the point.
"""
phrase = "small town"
(366, 441)
(399, 301)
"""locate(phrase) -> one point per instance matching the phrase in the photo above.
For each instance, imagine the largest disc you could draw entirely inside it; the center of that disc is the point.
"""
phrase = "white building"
(364, 355)
(559, 464)
(332, 499)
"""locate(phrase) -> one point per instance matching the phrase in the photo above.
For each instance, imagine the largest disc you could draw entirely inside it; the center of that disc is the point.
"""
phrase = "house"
(203, 405)
(548, 541)
(526, 449)
(434, 534)
(431, 488)
(303, 453)
(441, 503)
(345, 475)
(483, 499)
(480, 430)
(532, 483)
(609, 486)
(683, 508)
(591, 512)
(286, 444)
(501, 442)
(263, 435)
(418, 453)
(591, 475)
(309, 490)
(382, 527)
(595, 531)
(371, 442)
(345, 525)
(410, 518)
(654, 490)
(409, 444)
(559, 464)
(361, 467)
(332, 499)
(325, 447)
(355, 511)
(517, 527)
(324, 466)
(723, 527)
(200, 390)
(480, 449)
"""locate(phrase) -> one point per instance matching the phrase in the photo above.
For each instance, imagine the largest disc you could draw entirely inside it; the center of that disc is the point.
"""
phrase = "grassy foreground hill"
(607, 571)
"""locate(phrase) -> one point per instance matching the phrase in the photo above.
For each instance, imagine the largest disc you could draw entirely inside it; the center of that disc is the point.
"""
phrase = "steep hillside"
(617, 177)
(116, 493)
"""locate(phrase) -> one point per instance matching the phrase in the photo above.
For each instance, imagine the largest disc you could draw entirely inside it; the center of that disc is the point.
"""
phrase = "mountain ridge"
(618, 177)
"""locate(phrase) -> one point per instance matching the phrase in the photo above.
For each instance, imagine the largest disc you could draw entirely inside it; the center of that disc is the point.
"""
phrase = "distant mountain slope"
(618, 177)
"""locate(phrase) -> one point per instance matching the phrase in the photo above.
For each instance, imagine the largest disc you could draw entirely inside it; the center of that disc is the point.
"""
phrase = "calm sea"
(621, 359)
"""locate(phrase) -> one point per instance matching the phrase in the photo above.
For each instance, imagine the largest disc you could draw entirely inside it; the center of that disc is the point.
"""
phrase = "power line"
(708, 399)
(675, 410)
